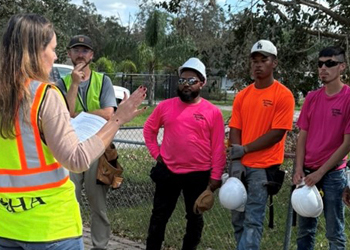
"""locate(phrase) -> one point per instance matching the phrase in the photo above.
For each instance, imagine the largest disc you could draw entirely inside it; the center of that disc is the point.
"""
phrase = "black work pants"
(165, 199)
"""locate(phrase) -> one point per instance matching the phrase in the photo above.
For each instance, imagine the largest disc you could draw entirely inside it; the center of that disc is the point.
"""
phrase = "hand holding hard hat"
(313, 178)
(307, 201)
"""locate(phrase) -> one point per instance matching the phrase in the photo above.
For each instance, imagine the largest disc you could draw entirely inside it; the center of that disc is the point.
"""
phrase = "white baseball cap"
(197, 65)
(264, 47)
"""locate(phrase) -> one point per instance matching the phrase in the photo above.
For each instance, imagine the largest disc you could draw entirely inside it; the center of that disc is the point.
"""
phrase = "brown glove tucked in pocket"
(109, 171)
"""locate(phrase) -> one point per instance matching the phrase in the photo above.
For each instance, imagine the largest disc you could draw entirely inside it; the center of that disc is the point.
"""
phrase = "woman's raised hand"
(128, 108)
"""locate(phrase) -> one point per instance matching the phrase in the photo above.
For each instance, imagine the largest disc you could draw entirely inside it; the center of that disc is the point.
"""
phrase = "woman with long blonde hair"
(38, 208)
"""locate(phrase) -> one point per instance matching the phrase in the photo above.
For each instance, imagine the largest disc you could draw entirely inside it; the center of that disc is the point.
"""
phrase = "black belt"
(309, 170)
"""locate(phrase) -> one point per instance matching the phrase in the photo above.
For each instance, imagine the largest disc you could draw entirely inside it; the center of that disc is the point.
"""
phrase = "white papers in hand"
(86, 125)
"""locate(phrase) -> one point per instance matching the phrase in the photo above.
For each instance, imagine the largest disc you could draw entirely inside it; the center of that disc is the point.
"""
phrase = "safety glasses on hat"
(190, 81)
(328, 63)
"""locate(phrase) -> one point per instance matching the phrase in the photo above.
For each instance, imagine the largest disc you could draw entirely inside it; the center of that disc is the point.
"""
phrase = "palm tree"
(155, 33)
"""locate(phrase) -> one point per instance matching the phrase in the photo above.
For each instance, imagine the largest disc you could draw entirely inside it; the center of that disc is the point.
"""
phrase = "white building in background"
(227, 85)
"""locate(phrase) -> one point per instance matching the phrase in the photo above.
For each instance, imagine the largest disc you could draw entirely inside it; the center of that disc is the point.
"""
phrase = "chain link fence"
(129, 207)
(166, 85)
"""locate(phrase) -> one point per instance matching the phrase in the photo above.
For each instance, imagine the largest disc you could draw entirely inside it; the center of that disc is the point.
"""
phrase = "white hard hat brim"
(233, 195)
(307, 201)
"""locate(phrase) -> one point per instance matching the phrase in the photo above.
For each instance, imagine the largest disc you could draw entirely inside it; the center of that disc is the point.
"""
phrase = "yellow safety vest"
(37, 198)
(92, 95)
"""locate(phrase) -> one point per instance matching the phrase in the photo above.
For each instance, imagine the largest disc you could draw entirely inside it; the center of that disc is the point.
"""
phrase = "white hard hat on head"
(195, 64)
(307, 201)
(233, 195)
(264, 47)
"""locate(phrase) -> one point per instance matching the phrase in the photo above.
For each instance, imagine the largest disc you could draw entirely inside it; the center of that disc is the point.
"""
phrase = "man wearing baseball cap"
(262, 113)
(190, 159)
(80, 40)
(92, 92)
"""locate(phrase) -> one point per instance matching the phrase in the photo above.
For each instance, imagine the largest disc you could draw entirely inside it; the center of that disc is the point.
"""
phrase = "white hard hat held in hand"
(195, 64)
(307, 201)
(233, 195)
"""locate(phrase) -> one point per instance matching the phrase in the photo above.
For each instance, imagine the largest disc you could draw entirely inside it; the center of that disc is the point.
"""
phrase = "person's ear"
(342, 67)
(275, 63)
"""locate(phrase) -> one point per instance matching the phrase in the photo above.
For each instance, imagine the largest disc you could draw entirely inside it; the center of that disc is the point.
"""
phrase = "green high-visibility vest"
(37, 198)
(92, 95)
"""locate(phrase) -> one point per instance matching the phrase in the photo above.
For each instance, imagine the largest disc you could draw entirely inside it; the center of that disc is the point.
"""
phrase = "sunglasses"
(190, 81)
(328, 63)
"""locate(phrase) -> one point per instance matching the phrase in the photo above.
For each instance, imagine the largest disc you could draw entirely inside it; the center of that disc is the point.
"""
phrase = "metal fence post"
(289, 220)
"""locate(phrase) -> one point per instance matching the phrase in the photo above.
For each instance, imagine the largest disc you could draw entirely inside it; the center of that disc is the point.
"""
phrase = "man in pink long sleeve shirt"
(322, 148)
(191, 157)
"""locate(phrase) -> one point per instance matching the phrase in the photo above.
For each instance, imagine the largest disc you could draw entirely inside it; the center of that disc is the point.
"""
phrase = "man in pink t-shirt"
(191, 157)
(322, 148)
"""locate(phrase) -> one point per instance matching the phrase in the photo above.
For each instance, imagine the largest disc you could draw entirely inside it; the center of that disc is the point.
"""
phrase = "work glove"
(204, 202)
(236, 151)
(236, 169)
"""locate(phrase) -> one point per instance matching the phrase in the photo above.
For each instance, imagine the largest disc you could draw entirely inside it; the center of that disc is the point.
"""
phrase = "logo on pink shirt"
(198, 117)
(336, 112)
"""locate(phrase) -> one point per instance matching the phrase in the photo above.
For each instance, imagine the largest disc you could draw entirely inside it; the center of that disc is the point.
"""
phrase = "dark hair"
(195, 71)
(333, 51)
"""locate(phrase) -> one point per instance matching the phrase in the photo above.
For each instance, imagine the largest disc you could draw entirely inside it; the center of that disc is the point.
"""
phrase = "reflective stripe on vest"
(26, 163)
(93, 92)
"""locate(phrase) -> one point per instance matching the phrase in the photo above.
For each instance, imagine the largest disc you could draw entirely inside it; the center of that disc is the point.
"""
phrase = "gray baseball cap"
(80, 40)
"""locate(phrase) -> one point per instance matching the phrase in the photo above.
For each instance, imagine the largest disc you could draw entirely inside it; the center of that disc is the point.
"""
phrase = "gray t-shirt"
(107, 97)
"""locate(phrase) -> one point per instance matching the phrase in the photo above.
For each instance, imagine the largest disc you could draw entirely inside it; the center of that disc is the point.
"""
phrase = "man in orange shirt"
(261, 115)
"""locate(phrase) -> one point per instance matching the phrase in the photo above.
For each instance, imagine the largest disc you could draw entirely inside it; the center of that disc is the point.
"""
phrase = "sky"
(126, 9)
(120, 8)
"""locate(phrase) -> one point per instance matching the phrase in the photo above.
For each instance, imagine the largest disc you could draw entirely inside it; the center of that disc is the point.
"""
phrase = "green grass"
(130, 159)
(226, 114)
(129, 210)
(140, 120)
(228, 102)
(299, 104)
